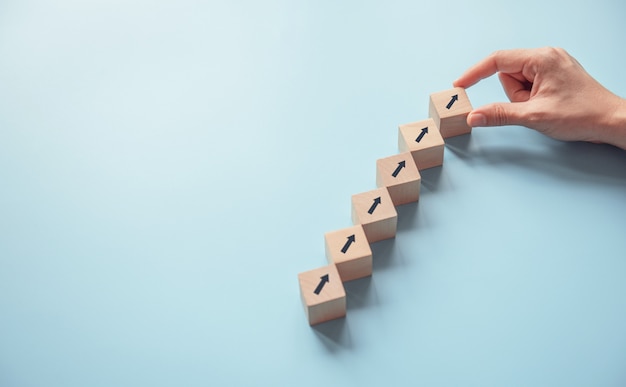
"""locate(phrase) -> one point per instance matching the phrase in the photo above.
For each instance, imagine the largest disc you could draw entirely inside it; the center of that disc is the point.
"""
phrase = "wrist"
(614, 131)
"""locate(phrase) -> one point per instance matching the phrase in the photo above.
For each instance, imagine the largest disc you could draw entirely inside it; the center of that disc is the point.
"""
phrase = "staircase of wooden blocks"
(421, 146)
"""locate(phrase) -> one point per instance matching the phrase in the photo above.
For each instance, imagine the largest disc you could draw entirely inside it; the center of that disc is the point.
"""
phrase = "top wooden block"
(449, 110)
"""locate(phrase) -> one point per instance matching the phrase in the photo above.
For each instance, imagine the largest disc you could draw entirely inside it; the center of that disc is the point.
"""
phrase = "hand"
(549, 92)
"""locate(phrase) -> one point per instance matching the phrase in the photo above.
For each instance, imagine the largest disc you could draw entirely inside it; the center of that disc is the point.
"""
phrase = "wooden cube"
(349, 250)
(322, 294)
(374, 210)
(449, 109)
(424, 141)
(401, 177)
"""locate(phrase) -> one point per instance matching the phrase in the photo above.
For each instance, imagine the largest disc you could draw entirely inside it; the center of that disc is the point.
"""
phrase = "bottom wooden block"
(322, 294)
(349, 250)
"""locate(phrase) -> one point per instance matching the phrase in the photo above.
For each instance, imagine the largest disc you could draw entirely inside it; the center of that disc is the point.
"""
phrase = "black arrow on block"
(401, 165)
(424, 132)
(373, 207)
(320, 286)
(452, 101)
(350, 241)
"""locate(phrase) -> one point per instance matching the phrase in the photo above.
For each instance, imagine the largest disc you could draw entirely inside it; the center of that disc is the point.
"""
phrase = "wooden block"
(401, 177)
(449, 109)
(322, 294)
(349, 250)
(375, 211)
(424, 141)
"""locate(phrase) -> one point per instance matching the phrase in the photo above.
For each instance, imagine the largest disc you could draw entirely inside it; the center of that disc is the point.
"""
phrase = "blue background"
(168, 168)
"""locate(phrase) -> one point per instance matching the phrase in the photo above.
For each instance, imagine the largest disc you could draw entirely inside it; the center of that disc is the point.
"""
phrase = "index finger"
(506, 61)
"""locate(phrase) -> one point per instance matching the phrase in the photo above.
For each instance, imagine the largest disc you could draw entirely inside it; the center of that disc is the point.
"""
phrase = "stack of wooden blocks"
(373, 213)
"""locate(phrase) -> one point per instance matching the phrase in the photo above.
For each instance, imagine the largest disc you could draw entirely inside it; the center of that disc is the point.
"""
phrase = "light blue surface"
(168, 168)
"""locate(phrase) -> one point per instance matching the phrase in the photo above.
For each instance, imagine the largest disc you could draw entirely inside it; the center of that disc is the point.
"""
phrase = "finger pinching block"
(322, 294)
(401, 177)
(424, 141)
(349, 250)
(374, 210)
(449, 109)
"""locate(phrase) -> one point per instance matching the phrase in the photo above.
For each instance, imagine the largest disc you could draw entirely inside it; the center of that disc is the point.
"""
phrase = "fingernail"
(477, 119)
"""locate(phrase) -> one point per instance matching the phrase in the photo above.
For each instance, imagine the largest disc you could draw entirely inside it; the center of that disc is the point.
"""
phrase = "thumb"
(497, 114)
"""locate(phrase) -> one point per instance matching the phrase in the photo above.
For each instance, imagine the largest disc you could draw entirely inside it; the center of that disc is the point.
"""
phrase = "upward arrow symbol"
(401, 165)
(320, 286)
(422, 134)
(373, 207)
(452, 101)
(350, 241)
